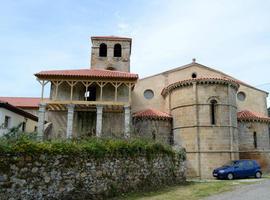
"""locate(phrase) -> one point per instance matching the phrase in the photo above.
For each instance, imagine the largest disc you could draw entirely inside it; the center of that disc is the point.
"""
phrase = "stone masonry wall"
(261, 156)
(193, 130)
(82, 177)
(153, 129)
(246, 138)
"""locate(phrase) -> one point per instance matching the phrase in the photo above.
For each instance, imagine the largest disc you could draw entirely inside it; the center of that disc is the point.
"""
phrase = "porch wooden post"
(72, 84)
(56, 83)
(116, 85)
(101, 85)
(43, 84)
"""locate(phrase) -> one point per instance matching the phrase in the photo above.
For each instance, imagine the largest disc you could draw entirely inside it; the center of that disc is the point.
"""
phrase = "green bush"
(93, 147)
(15, 133)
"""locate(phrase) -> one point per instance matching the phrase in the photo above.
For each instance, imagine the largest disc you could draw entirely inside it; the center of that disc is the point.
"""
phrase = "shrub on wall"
(94, 147)
(95, 168)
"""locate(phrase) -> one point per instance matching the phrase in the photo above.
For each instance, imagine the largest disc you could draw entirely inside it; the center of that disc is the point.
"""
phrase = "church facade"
(214, 116)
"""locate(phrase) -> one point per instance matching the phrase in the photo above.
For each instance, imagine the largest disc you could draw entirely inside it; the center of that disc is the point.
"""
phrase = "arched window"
(103, 50)
(117, 51)
(255, 140)
(213, 104)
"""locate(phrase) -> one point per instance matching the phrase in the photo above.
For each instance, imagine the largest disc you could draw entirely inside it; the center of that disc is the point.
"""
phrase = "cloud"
(229, 35)
(218, 33)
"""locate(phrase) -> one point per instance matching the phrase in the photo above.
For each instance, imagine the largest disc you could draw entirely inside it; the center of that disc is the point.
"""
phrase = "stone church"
(214, 116)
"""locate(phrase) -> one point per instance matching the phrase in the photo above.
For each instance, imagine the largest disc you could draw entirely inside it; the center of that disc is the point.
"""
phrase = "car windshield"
(230, 163)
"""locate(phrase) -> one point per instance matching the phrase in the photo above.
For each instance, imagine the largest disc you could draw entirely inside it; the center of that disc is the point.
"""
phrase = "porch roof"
(152, 114)
(87, 73)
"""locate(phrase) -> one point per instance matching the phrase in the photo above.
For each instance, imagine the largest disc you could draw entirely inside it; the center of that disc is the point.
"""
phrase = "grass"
(266, 175)
(192, 190)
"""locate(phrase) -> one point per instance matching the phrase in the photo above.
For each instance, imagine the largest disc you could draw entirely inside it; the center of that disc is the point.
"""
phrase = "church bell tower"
(111, 53)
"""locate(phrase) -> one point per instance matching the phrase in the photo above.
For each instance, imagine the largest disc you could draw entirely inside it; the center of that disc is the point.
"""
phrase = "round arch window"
(194, 75)
(148, 94)
(241, 96)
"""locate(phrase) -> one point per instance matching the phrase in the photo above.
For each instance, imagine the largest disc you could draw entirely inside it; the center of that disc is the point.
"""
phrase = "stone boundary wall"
(262, 157)
(83, 177)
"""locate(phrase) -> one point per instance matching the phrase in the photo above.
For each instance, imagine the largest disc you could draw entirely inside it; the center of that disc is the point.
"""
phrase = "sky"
(228, 35)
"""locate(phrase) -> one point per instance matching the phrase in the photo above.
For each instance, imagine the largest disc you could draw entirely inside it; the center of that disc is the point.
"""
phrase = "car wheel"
(258, 175)
(230, 176)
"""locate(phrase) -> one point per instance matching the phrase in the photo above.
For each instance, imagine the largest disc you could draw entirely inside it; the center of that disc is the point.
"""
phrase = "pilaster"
(99, 120)
(70, 116)
(127, 121)
(41, 120)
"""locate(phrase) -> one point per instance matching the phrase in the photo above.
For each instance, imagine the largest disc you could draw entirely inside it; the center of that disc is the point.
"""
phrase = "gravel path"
(257, 191)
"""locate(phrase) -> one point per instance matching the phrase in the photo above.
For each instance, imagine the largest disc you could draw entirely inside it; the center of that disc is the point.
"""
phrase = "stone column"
(197, 124)
(99, 120)
(70, 115)
(127, 121)
(41, 120)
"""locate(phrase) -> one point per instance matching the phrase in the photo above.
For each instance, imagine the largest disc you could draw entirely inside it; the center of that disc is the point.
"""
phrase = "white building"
(11, 116)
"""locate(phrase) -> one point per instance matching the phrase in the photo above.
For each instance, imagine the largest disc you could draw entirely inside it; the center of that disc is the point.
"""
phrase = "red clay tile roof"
(152, 114)
(22, 102)
(87, 73)
(204, 79)
(246, 115)
(111, 37)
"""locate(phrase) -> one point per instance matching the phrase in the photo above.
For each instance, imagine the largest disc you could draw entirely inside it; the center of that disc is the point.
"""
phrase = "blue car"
(238, 169)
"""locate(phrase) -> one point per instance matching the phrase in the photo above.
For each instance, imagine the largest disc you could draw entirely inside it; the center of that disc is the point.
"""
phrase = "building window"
(35, 129)
(148, 94)
(110, 68)
(170, 139)
(23, 126)
(103, 50)
(117, 51)
(255, 140)
(241, 96)
(153, 135)
(194, 75)
(7, 122)
(213, 104)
